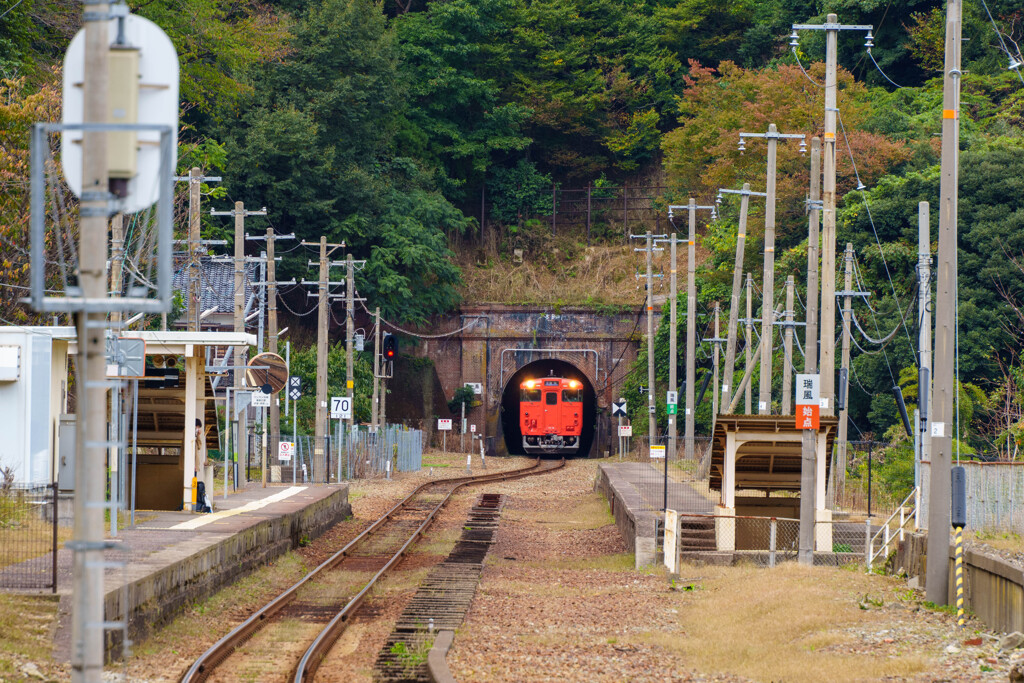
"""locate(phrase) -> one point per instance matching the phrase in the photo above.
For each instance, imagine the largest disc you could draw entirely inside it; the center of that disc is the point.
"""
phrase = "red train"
(551, 415)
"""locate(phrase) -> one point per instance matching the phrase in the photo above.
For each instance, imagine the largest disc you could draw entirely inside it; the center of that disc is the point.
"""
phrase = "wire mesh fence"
(345, 454)
(670, 477)
(764, 541)
(29, 535)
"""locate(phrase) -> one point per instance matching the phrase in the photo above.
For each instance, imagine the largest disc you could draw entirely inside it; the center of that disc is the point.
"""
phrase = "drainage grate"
(443, 598)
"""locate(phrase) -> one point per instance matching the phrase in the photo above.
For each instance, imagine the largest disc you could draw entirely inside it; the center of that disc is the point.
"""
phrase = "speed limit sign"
(341, 407)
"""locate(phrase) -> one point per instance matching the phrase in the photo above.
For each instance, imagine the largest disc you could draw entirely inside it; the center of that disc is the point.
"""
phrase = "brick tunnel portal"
(539, 369)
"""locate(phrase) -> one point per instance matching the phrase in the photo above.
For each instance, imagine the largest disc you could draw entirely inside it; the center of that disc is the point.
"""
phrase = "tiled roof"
(218, 284)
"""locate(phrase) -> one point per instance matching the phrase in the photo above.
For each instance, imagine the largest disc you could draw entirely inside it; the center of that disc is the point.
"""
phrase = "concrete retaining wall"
(993, 588)
(210, 562)
(638, 528)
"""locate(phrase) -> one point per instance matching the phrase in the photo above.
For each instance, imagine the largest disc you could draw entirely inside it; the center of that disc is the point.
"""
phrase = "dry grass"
(26, 623)
(591, 512)
(786, 624)
(1008, 541)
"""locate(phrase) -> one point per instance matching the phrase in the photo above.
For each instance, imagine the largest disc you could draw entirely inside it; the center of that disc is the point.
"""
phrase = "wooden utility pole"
(764, 401)
(90, 474)
(749, 340)
(734, 304)
(943, 423)
(787, 346)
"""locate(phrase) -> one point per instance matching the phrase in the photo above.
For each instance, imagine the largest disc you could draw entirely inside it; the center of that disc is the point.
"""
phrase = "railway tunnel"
(538, 369)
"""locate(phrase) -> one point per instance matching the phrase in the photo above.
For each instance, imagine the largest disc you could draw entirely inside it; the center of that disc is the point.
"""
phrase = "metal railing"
(886, 532)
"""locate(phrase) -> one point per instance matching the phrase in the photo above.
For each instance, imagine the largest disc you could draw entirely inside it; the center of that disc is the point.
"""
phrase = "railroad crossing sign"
(294, 387)
(341, 407)
(285, 450)
(619, 408)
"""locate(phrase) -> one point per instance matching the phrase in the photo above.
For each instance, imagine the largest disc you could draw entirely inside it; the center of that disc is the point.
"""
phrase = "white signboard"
(444, 425)
(341, 407)
(657, 451)
(472, 429)
(260, 400)
(672, 397)
(477, 387)
(285, 450)
(808, 390)
(626, 430)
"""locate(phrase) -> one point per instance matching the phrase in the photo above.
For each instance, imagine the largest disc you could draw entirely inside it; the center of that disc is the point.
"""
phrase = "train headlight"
(529, 384)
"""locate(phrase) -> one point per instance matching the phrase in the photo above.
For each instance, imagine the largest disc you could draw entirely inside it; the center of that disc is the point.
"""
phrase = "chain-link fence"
(345, 454)
(673, 478)
(765, 541)
(30, 531)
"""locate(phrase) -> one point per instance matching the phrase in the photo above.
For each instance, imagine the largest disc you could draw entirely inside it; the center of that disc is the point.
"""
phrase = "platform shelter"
(169, 448)
(762, 454)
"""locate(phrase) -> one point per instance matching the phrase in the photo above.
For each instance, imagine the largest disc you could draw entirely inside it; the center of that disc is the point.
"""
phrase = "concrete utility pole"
(323, 302)
(734, 303)
(943, 423)
(376, 371)
(650, 248)
(764, 401)
(271, 282)
(787, 346)
(808, 442)
(828, 252)
(90, 474)
(691, 324)
(744, 383)
(814, 206)
(839, 475)
(195, 179)
(350, 311)
(673, 352)
(749, 332)
(717, 352)
(240, 213)
(924, 305)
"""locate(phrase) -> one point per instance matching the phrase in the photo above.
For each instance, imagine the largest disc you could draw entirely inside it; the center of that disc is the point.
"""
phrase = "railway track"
(325, 600)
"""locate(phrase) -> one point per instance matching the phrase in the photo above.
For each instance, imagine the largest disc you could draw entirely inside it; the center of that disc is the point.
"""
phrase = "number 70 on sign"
(341, 407)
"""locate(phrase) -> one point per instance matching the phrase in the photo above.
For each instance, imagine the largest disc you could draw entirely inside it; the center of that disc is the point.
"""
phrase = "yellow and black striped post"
(959, 577)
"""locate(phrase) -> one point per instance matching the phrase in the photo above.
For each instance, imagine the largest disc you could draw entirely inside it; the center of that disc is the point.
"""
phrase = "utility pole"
(924, 305)
(808, 441)
(323, 322)
(90, 474)
(839, 475)
(240, 214)
(649, 248)
(376, 371)
(195, 179)
(828, 253)
(734, 304)
(717, 352)
(350, 290)
(937, 583)
(787, 345)
(271, 282)
(764, 401)
(691, 324)
(749, 332)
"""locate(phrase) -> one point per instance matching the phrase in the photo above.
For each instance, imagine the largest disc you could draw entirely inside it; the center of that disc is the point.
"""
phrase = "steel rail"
(220, 650)
(314, 655)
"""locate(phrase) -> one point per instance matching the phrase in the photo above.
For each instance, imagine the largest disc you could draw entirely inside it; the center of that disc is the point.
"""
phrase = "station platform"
(171, 559)
(636, 494)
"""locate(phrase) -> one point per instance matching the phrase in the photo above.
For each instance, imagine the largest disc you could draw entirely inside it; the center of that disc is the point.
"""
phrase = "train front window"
(530, 396)
(572, 395)
(551, 398)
